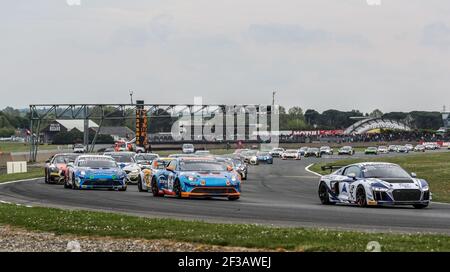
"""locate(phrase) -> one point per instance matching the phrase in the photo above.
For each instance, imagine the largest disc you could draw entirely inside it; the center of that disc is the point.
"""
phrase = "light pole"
(131, 96)
(273, 97)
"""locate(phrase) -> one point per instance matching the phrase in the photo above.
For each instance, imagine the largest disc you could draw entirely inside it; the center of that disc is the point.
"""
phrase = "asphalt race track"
(283, 194)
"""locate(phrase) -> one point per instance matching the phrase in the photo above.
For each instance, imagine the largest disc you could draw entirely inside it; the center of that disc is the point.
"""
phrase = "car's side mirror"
(229, 168)
(47, 161)
(170, 168)
(414, 175)
(70, 164)
(352, 175)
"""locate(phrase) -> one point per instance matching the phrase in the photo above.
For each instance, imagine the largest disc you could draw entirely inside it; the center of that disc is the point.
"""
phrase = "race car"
(291, 154)
(313, 152)
(197, 177)
(383, 150)
(393, 148)
(127, 162)
(419, 148)
(95, 171)
(326, 150)
(410, 147)
(263, 156)
(249, 157)
(146, 175)
(402, 149)
(371, 151)
(276, 152)
(346, 150)
(144, 160)
(79, 148)
(188, 148)
(238, 165)
(56, 167)
(374, 183)
(302, 150)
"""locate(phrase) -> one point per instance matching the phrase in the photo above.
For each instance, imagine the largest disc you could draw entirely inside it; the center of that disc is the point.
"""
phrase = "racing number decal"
(170, 182)
(352, 189)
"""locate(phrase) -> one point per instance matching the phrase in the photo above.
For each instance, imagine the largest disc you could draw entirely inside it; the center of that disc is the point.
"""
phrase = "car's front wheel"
(361, 199)
(177, 188)
(140, 185)
(233, 198)
(74, 183)
(155, 189)
(324, 195)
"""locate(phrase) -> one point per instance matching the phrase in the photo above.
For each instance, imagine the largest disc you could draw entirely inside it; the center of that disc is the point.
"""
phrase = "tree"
(376, 113)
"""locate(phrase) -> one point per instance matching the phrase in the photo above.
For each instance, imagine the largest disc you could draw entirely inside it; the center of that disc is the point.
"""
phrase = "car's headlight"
(233, 179)
(191, 178)
(425, 188)
(83, 173)
(54, 169)
(380, 189)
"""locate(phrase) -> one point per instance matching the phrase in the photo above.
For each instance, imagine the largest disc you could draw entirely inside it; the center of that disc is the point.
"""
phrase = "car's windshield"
(122, 158)
(263, 153)
(249, 153)
(188, 146)
(64, 159)
(97, 163)
(237, 163)
(278, 149)
(324, 148)
(146, 157)
(384, 171)
(346, 148)
(291, 151)
(372, 148)
(313, 150)
(202, 166)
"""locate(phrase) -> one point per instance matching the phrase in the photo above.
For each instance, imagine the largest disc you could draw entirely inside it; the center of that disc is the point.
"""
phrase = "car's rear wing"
(331, 167)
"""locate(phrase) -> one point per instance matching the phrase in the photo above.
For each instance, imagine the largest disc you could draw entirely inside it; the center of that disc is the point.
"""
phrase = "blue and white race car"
(93, 171)
(197, 177)
(374, 183)
(263, 156)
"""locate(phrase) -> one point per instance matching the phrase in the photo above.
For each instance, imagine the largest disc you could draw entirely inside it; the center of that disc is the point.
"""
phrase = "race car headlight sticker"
(82, 173)
(380, 189)
(233, 178)
(191, 178)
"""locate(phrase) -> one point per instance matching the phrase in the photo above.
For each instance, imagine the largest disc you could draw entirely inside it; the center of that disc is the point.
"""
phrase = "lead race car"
(374, 184)
(95, 171)
(197, 177)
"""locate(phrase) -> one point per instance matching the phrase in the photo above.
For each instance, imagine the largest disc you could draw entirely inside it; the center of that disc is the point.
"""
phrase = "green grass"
(435, 168)
(98, 224)
(23, 147)
(33, 172)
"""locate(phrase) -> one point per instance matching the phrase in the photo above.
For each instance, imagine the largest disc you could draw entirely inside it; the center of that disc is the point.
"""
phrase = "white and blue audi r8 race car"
(373, 184)
(93, 171)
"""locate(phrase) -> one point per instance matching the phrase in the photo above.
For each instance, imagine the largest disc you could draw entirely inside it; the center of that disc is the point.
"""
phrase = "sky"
(393, 55)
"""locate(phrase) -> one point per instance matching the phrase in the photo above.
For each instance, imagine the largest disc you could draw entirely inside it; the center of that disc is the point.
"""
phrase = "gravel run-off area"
(19, 240)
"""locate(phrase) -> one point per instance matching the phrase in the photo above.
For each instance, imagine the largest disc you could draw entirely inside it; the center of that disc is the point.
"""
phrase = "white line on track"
(310, 171)
(22, 180)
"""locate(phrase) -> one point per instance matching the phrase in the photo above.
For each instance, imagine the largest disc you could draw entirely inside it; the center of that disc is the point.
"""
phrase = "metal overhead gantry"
(42, 114)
